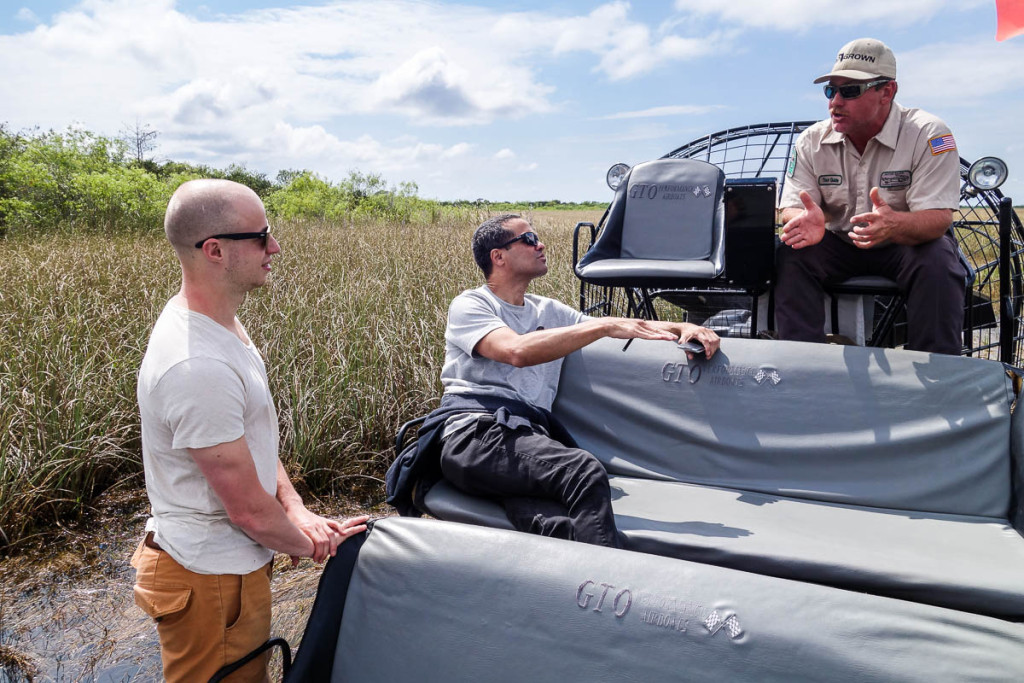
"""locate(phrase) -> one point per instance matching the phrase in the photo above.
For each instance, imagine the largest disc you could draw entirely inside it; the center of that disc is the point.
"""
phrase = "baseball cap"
(862, 60)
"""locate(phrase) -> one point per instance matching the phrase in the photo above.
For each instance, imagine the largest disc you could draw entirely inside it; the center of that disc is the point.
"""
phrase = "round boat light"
(615, 175)
(987, 173)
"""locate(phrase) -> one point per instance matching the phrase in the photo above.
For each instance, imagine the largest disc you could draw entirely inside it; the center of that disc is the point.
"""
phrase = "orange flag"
(1009, 18)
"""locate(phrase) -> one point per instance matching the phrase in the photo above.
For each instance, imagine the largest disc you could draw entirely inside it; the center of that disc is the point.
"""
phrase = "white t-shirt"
(199, 386)
(475, 313)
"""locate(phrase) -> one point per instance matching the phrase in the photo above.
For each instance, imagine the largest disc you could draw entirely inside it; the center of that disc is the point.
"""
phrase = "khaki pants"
(204, 620)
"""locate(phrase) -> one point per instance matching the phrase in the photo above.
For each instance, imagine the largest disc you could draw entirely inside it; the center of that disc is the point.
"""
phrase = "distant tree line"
(545, 205)
(74, 179)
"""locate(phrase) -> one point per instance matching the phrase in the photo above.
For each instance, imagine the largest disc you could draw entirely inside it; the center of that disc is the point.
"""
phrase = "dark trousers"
(930, 275)
(545, 487)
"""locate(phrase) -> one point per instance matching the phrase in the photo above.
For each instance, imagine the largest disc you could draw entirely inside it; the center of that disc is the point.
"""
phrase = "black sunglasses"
(853, 90)
(530, 239)
(261, 235)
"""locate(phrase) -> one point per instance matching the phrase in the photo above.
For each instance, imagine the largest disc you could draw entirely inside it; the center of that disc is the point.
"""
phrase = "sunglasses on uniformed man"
(853, 90)
(261, 235)
(530, 239)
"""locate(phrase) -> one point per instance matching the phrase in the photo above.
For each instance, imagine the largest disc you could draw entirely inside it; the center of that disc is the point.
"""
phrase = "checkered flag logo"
(715, 623)
(767, 375)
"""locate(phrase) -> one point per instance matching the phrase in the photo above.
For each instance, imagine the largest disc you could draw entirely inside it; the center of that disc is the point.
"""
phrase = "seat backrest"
(891, 429)
(666, 209)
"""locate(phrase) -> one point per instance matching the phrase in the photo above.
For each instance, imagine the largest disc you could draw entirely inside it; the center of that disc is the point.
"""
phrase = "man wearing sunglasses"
(871, 191)
(222, 503)
(503, 353)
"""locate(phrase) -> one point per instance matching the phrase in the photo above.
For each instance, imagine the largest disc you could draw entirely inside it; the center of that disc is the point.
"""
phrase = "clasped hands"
(325, 533)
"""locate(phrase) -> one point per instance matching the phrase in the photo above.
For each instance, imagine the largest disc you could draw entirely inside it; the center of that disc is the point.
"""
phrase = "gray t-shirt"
(475, 313)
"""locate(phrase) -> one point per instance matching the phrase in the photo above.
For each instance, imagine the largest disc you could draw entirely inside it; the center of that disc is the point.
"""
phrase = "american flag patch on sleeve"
(942, 144)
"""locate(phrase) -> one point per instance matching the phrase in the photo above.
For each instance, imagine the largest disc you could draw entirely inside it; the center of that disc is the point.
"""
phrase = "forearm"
(287, 496)
(229, 470)
(324, 534)
(543, 346)
(266, 522)
(918, 227)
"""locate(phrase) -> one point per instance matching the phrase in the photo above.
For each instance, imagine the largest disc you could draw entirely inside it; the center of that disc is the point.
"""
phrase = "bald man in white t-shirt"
(222, 503)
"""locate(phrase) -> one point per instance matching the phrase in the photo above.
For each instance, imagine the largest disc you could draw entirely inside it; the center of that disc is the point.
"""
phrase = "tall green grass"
(351, 325)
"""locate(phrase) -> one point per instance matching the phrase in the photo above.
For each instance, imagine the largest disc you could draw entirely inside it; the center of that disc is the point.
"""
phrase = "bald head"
(200, 208)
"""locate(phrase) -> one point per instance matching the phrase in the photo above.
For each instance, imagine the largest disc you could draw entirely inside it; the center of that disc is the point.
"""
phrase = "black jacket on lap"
(419, 463)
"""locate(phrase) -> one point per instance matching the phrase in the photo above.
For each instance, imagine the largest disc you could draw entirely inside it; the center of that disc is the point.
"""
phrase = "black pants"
(930, 275)
(545, 487)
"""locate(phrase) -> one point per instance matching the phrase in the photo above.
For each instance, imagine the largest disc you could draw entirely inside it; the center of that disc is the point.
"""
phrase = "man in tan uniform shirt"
(871, 191)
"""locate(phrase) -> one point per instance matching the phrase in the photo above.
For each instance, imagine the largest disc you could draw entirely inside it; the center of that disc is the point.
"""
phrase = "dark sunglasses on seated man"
(853, 90)
(530, 239)
(261, 235)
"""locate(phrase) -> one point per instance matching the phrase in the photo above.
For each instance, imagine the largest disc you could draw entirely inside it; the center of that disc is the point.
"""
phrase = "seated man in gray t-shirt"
(503, 355)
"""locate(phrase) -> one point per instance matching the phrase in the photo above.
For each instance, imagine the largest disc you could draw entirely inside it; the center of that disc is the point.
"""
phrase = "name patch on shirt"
(894, 180)
(942, 144)
(829, 180)
(791, 168)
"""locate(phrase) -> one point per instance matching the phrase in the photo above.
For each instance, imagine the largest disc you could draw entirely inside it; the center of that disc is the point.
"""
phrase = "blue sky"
(516, 100)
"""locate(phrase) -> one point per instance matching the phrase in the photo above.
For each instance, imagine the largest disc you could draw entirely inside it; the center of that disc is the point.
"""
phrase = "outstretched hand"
(876, 227)
(325, 533)
(807, 228)
(636, 328)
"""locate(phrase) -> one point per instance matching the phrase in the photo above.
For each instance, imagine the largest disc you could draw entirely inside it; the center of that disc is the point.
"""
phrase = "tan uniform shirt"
(913, 161)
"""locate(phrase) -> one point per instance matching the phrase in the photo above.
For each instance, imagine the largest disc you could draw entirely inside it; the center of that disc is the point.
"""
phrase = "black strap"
(286, 659)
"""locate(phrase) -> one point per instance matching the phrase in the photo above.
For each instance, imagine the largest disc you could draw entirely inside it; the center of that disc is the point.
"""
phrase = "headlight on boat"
(615, 175)
(987, 173)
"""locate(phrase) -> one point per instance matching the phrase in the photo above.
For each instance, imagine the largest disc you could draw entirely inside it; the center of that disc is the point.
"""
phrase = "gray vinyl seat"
(865, 284)
(665, 228)
(441, 602)
(896, 473)
(927, 558)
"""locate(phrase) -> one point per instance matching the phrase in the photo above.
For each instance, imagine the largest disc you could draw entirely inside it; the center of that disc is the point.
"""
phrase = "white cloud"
(959, 74)
(315, 147)
(419, 89)
(269, 86)
(670, 110)
(460, 149)
(625, 48)
(803, 15)
(432, 64)
(27, 15)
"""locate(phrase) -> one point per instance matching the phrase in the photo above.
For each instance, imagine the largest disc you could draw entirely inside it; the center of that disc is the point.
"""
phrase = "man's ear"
(497, 257)
(212, 250)
(890, 89)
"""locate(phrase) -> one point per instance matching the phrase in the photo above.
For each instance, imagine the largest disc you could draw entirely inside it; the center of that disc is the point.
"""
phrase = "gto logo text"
(604, 595)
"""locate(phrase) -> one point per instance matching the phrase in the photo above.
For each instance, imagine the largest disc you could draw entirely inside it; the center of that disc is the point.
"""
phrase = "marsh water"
(67, 611)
